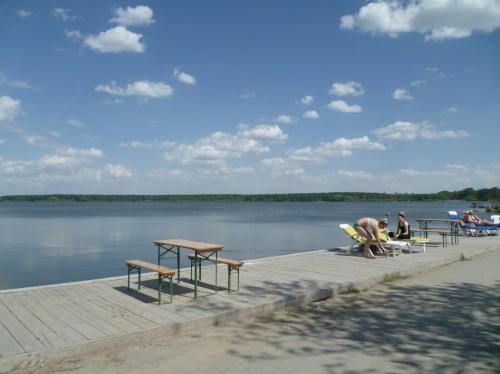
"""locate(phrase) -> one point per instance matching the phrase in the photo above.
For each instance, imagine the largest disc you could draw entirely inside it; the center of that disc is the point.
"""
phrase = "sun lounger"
(411, 241)
(395, 247)
(470, 229)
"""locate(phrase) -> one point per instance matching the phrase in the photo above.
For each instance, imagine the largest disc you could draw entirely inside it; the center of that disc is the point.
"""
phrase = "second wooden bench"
(231, 265)
(163, 272)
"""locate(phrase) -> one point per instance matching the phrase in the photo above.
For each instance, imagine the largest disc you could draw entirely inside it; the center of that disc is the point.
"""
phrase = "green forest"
(470, 194)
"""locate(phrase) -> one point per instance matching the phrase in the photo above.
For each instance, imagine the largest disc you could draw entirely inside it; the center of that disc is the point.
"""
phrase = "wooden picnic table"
(453, 228)
(201, 251)
(444, 232)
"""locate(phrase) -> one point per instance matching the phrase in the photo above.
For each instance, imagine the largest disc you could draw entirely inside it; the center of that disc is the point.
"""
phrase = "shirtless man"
(369, 228)
(470, 217)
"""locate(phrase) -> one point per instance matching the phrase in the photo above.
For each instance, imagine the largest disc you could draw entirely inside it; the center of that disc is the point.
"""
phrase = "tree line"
(470, 194)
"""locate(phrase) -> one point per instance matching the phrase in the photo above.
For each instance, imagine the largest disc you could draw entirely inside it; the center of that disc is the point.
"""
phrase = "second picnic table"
(453, 227)
(201, 251)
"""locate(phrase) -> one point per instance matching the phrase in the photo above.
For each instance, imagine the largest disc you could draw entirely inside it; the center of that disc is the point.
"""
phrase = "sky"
(162, 97)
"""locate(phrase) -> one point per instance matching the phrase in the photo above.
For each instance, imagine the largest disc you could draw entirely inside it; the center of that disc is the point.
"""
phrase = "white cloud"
(184, 77)
(401, 130)
(115, 40)
(73, 34)
(114, 102)
(3, 141)
(351, 174)
(23, 13)
(451, 109)
(282, 167)
(342, 106)
(339, 147)
(402, 95)
(350, 88)
(418, 83)
(155, 144)
(74, 122)
(55, 134)
(307, 100)
(64, 165)
(10, 109)
(118, 171)
(237, 169)
(249, 95)
(215, 149)
(81, 152)
(269, 133)
(64, 14)
(436, 20)
(14, 83)
(285, 119)
(311, 114)
(141, 15)
(66, 158)
(34, 139)
(142, 88)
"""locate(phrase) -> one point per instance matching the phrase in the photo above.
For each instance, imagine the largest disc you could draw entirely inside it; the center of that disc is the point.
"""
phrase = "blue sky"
(248, 97)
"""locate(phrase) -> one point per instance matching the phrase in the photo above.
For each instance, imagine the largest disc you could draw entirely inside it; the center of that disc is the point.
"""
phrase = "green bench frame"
(230, 268)
(132, 267)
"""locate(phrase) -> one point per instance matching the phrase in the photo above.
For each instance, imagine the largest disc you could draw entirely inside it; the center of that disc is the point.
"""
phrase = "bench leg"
(159, 289)
(191, 270)
(128, 278)
(171, 289)
(139, 270)
(199, 269)
(216, 266)
(228, 278)
(238, 270)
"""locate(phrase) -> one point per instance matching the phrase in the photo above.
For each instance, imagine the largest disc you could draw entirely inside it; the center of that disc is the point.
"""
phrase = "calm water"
(42, 243)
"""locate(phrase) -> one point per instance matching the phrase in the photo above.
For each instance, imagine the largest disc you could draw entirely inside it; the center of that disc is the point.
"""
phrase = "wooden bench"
(163, 272)
(231, 265)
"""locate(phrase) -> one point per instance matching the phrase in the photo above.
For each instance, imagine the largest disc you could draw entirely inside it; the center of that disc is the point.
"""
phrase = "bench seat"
(163, 272)
(231, 265)
(166, 272)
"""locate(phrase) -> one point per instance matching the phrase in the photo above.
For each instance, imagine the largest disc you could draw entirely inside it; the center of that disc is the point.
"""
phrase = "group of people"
(473, 219)
(371, 229)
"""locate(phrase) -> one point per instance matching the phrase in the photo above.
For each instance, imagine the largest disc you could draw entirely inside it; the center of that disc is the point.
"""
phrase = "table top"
(436, 230)
(195, 246)
(437, 220)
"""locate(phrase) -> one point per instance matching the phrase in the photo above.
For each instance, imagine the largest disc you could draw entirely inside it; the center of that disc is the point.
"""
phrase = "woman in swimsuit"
(369, 228)
(403, 231)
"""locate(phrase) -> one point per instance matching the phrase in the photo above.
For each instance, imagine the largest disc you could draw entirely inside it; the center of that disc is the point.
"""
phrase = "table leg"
(178, 265)
(195, 275)
(216, 266)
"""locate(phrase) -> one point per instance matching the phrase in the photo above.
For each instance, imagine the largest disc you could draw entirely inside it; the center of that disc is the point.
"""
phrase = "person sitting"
(473, 219)
(403, 231)
(369, 228)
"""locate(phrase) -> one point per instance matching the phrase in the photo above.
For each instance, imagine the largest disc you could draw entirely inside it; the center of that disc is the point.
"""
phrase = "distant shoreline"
(468, 194)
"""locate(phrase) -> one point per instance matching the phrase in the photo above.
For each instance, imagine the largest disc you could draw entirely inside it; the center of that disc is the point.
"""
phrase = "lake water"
(43, 243)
